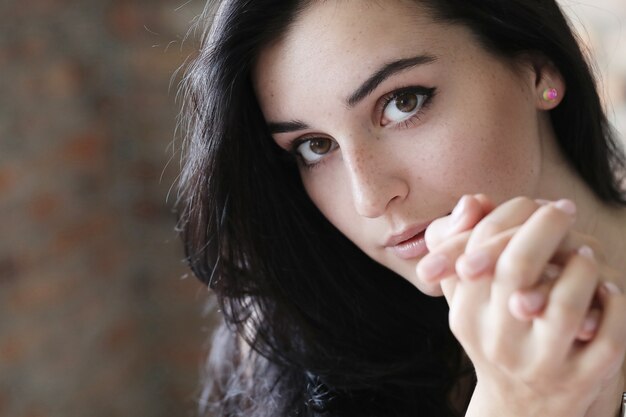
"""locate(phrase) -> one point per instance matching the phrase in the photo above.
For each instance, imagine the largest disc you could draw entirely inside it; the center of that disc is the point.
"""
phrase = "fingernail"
(474, 263)
(566, 206)
(432, 266)
(551, 272)
(612, 288)
(532, 301)
(586, 252)
(459, 209)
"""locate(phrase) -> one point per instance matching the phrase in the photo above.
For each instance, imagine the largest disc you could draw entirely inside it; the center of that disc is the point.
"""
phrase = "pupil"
(320, 146)
(406, 102)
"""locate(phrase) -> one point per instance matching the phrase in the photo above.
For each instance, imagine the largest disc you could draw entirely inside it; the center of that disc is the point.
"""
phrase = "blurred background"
(98, 316)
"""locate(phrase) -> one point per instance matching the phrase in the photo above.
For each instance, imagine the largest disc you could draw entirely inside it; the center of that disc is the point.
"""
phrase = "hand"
(541, 361)
(525, 304)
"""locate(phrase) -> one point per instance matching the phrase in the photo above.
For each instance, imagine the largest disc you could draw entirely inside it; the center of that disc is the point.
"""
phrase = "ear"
(549, 85)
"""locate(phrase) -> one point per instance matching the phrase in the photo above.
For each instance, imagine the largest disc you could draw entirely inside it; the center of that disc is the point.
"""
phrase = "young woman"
(329, 143)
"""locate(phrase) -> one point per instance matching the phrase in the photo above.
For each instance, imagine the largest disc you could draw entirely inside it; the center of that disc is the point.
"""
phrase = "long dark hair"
(328, 331)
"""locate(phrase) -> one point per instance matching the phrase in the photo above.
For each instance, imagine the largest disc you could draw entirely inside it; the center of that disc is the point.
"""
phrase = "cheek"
(489, 140)
(501, 160)
(331, 195)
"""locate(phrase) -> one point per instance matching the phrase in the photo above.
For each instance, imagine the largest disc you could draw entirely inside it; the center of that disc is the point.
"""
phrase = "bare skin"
(590, 338)
(380, 158)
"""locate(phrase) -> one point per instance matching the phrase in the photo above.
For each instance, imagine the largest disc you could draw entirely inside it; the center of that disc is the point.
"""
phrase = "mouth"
(409, 244)
(412, 248)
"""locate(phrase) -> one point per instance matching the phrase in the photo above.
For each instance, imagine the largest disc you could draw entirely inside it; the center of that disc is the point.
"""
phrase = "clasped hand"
(537, 311)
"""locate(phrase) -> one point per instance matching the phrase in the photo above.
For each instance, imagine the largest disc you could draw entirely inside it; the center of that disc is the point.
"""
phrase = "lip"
(405, 235)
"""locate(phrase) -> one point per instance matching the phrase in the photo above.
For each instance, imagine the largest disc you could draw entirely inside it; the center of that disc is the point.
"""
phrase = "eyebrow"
(385, 72)
(285, 127)
(365, 89)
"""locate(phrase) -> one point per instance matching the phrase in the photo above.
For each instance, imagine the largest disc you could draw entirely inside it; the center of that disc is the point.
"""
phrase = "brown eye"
(320, 146)
(403, 105)
(314, 149)
(406, 102)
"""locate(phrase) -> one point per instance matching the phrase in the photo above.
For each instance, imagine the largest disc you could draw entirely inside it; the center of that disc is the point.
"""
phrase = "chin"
(408, 272)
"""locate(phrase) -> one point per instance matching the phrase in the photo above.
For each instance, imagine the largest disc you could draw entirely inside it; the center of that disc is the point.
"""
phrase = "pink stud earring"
(550, 94)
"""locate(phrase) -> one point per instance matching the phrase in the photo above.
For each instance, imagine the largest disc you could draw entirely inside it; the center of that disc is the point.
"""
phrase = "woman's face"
(394, 118)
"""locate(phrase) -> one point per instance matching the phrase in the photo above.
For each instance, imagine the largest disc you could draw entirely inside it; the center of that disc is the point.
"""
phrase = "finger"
(526, 305)
(590, 325)
(572, 242)
(469, 265)
(481, 261)
(568, 303)
(468, 211)
(474, 264)
(439, 265)
(477, 269)
(485, 202)
(434, 268)
(534, 244)
(604, 355)
(507, 215)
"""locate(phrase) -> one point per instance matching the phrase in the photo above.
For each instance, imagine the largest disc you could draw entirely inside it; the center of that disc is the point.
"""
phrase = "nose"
(376, 180)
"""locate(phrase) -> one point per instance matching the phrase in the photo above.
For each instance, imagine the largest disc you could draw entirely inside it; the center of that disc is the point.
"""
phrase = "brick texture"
(96, 317)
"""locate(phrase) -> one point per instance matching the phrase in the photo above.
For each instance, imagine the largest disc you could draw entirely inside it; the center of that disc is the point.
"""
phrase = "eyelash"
(429, 93)
(293, 151)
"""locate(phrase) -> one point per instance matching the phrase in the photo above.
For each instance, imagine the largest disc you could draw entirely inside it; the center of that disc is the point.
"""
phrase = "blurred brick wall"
(95, 316)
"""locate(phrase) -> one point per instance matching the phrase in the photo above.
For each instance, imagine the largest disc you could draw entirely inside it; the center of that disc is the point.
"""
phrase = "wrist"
(522, 402)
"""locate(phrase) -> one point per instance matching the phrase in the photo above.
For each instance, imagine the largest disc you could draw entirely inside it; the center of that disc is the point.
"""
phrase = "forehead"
(352, 28)
(334, 45)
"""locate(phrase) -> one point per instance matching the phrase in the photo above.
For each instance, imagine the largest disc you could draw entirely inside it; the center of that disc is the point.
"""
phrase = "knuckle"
(428, 288)
(524, 201)
(488, 227)
(460, 323)
(550, 213)
(435, 232)
(514, 269)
